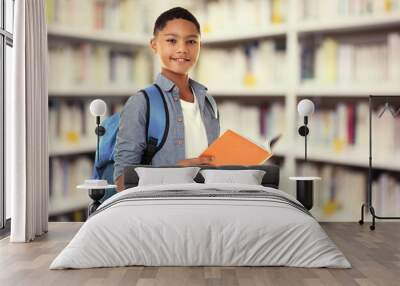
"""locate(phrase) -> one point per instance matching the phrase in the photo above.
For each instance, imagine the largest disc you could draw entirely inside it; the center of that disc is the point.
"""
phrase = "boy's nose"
(182, 48)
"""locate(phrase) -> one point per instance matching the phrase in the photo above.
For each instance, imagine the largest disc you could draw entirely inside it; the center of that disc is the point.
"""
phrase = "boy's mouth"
(180, 60)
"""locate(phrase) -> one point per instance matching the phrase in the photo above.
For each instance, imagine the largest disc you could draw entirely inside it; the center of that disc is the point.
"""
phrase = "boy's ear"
(153, 45)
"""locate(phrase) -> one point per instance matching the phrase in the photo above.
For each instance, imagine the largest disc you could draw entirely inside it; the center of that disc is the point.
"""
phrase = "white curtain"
(26, 117)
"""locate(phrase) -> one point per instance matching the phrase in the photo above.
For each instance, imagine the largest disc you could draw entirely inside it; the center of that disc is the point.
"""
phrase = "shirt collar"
(197, 86)
(166, 84)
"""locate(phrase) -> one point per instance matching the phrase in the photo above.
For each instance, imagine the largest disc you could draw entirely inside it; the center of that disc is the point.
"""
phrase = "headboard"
(270, 179)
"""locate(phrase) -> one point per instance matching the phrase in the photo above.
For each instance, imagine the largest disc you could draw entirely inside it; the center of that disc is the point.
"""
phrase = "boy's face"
(177, 45)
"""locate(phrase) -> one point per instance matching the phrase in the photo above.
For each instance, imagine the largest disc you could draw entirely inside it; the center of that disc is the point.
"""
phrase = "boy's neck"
(181, 81)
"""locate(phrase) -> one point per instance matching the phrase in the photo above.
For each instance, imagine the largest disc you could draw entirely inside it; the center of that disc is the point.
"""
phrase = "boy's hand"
(204, 160)
(120, 183)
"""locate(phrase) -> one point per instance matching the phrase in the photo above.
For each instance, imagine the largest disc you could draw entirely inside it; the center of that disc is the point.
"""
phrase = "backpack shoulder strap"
(213, 104)
(157, 122)
(107, 141)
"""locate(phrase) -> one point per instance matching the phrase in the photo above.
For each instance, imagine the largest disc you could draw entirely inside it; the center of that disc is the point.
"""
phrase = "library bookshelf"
(293, 30)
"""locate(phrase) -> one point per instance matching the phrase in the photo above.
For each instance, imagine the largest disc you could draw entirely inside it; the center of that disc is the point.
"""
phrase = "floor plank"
(374, 255)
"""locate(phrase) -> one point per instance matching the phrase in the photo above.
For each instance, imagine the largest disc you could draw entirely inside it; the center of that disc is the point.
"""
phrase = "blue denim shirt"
(131, 137)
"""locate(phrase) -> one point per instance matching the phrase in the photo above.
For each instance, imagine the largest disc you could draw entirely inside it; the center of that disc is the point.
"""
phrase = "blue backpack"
(156, 133)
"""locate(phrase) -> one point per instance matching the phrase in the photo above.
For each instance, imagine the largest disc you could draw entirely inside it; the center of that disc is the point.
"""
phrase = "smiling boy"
(194, 121)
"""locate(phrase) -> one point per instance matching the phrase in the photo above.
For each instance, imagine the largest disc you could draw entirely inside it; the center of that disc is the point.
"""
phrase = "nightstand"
(304, 190)
(96, 192)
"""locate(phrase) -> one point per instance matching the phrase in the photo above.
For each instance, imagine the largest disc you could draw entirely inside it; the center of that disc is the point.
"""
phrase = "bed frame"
(270, 179)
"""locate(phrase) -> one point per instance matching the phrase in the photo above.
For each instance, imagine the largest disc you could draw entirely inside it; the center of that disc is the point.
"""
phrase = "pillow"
(163, 176)
(248, 177)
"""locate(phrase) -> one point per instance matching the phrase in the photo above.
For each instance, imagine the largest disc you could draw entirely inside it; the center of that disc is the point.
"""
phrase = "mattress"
(201, 225)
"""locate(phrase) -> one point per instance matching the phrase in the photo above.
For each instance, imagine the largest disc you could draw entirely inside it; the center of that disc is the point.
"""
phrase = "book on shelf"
(72, 124)
(89, 65)
(233, 149)
(225, 16)
(340, 192)
(386, 195)
(345, 55)
(393, 55)
(345, 127)
(94, 15)
(71, 215)
(66, 174)
(253, 122)
(259, 65)
(316, 10)
(279, 12)
(363, 59)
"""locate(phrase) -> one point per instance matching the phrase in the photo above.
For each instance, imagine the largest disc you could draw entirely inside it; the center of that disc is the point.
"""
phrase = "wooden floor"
(375, 257)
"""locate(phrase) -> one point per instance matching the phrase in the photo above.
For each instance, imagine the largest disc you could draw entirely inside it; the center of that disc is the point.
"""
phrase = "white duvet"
(200, 231)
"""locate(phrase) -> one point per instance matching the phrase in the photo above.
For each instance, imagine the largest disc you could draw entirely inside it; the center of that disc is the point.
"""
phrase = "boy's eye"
(192, 42)
(173, 41)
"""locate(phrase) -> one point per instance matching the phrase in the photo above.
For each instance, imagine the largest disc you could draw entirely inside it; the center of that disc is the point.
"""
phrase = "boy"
(194, 123)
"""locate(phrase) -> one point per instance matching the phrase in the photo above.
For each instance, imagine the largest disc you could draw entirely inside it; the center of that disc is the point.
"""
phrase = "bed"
(201, 224)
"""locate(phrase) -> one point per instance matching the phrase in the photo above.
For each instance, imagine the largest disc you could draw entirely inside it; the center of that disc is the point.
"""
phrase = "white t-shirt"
(195, 133)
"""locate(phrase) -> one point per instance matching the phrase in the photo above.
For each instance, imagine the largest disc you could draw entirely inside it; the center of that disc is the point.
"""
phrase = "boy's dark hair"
(174, 13)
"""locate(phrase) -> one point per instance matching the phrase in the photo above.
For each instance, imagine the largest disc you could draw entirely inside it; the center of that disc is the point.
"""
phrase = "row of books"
(96, 65)
(332, 61)
(135, 16)
(386, 195)
(346, 127)
(76, 216)
(333, 9)
(66, 174)
(72, 124)
(258, 123)
(340, 192)
(227, 16)
(127, 16)
(252, 65)
(340, 129)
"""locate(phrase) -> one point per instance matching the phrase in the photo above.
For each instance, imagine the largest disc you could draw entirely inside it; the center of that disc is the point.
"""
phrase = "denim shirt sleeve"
(131, 138)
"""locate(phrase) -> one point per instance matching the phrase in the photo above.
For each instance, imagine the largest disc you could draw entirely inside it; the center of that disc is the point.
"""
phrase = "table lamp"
(98, 108)
(96, 187)
(305, 108)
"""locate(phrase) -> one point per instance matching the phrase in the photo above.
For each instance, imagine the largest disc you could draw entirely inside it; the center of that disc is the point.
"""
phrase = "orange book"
(233, 149)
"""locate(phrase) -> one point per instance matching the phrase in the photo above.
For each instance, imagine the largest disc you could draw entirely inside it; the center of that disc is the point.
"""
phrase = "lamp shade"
(305, 107)
(98, 107)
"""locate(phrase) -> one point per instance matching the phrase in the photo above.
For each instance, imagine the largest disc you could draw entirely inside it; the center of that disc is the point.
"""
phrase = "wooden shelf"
(302, 90)
(272, 31)
(108, 37)
(84, 146)
(349, 158)
(350, 24)
(91, 91)
(336, 217)
(69, 203)
(256, 91)
(342, 90)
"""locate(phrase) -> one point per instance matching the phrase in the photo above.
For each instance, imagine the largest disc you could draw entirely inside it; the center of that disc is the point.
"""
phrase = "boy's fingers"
(204, 159)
